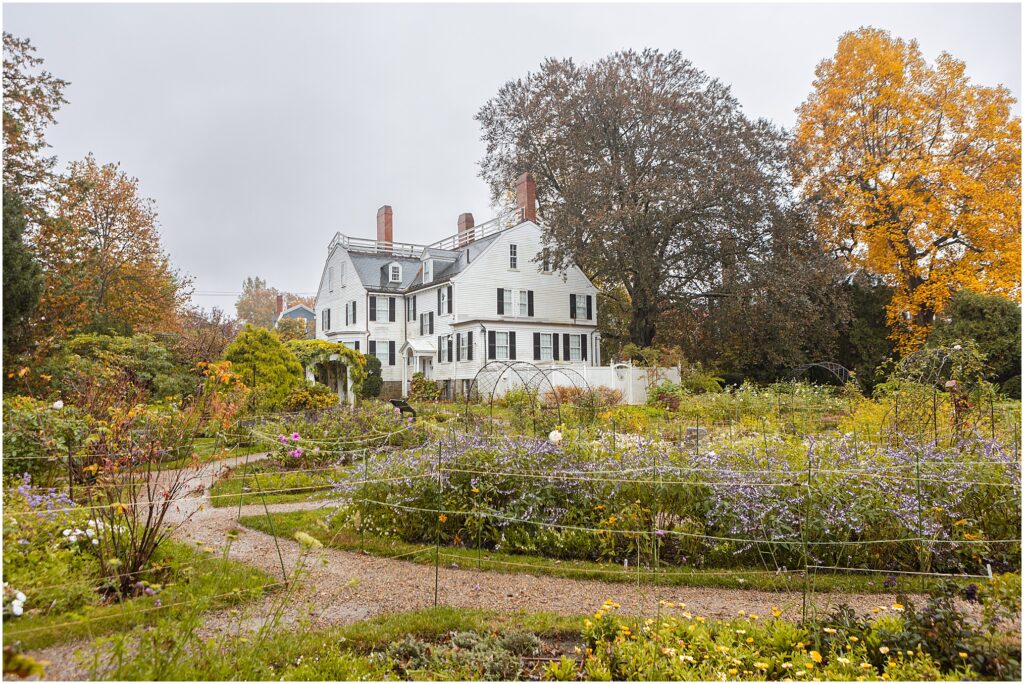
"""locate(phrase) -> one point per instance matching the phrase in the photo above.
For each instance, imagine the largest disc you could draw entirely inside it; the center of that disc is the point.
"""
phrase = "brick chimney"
(385, 227)
(465, 229)
(280, 305)
(526, 197)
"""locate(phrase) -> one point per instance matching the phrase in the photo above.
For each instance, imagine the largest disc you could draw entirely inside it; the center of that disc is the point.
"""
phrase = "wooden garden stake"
(437, 522)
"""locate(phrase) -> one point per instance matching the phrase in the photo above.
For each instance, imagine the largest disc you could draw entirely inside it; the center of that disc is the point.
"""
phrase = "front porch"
(418, 356)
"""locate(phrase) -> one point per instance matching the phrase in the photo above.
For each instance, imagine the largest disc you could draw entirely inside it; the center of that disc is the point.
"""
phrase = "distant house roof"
(298, 311)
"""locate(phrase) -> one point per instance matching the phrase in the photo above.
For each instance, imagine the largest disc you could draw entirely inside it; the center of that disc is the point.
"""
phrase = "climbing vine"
(313, 352)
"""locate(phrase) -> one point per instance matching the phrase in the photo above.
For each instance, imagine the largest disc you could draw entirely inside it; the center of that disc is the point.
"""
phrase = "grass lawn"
(192, 578)
(315, 524)
(208, 449)
(247, 481)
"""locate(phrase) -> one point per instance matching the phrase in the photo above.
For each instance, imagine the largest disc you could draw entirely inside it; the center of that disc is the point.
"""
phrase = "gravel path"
(339, 587)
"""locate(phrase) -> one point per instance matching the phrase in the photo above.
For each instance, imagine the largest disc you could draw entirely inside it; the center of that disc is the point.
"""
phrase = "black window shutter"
(391, 309)
(440, 346)
(490, 342)
(529, 303)
(414, 306)
(451, 342)
(536, 346)
(469, 346)
(572, 306)
(373, 347)
(391, 353)
(590, 309)
(501, 302)
(449, 299)
(421, 325)
(583, 343)
(357, 345)
(512, 346)
(373, 308)
(458, 346)
(439, 301)
(565, 347)
(431, 322)
(554, 345)
(353, 312)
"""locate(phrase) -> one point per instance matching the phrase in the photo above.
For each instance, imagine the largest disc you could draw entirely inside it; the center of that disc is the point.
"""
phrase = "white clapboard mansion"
(446, 309)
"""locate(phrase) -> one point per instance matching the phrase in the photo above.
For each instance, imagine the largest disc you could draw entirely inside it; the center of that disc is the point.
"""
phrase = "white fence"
(632, 381)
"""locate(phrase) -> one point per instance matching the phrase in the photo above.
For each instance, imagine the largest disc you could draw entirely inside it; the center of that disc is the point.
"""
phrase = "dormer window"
(513, 257)
(395, 273)
(428, 270)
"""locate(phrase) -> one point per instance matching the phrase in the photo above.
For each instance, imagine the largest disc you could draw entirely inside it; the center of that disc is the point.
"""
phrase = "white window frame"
(547, 347)
(575, 348)
(444, 301)
(428, 270)
(383, 309)
(507, 298)
(498, 346)
(581, 307)
(545, 261)
(513, 257)
(463, 346)
(381, 350)
(330, 278)
(395, 273)
(524, 303)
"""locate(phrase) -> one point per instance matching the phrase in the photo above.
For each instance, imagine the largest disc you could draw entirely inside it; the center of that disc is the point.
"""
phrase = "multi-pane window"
(325, 319)
(463, 346)
(545, 260)
(575, 354)
(382, 308)
(396, 273)
(513, 257)
(524, 303)
(547, 347)
(428, 270)
(579, 307)
(330, 278)
(381, 351)
(507, 297)
(444, 300)
(501, 346)
(410, 309)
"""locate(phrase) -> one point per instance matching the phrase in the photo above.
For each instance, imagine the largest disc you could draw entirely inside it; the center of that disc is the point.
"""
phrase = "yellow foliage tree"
(103, 266)
(914, 174)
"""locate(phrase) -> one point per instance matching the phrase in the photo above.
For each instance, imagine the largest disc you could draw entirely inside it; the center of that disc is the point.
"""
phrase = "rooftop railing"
(504, 221)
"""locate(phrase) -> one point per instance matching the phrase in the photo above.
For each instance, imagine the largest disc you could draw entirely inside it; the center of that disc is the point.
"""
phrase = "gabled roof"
(443, 272)
(421, 346)
(298, 308)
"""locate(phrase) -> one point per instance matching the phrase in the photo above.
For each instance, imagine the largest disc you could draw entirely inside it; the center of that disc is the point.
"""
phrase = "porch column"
(348, 389)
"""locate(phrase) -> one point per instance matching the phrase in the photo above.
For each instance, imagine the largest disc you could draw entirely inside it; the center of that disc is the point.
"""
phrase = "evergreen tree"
(265, 364)
(22, 276)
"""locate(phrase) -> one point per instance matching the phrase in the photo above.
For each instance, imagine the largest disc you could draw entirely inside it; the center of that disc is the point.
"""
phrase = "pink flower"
(282, 439)
(295, 437)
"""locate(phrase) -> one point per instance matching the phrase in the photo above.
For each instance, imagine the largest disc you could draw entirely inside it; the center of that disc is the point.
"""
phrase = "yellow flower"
(866, 665)
(475, 490)
(733, 670)
(897, 606)
(830, 630)
(815, 656)
(809, 666)
(776, 612)
(761, 666)
(963, 654)
(854, 639)
(750, 640)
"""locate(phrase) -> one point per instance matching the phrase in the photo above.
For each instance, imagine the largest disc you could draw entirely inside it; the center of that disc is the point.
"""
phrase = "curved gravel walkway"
(339, 587)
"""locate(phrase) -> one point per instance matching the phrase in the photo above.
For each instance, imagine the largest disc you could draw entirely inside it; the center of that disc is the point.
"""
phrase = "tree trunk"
(643, 320)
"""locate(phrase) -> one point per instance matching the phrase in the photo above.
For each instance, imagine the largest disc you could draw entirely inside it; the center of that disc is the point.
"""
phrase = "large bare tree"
(649, 176)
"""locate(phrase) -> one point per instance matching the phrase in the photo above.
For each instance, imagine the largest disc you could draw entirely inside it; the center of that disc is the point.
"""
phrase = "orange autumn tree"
(914, 175)
(103, 264)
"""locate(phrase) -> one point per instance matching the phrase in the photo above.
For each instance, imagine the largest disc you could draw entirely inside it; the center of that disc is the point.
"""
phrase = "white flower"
(17, 608)
(957, 347)
(95, 542)
(58, 404)
(19, 596)
(555, 437)
(67, 532)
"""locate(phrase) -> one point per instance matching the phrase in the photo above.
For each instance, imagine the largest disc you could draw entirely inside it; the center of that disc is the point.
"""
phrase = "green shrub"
(374, 382)
(422, 389)
(310, 397)
(265, 364)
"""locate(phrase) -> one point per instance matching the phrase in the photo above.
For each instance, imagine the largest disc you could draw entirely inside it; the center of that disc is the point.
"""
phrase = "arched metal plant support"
(533, 379)
(588, 400)
(834, 370)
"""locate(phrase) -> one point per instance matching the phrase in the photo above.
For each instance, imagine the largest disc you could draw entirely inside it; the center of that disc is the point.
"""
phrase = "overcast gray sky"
(261, 130)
